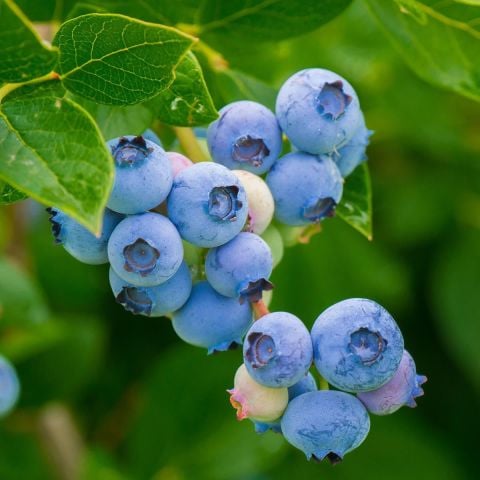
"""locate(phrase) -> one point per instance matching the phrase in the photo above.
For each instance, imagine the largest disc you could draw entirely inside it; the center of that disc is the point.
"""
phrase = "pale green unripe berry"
(275, 241)
(260, 201)
(254, 401)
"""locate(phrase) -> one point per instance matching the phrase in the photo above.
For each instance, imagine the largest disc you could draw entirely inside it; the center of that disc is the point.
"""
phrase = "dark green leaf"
(21, 303)
(116, 121)
(356, 204)
(8, 194)
(23, 54)
(233, 85)
(440, 41)
(187, 101)
(52, 151)
(117, 60)
(147, 10)
(46, 10)
(265, 20)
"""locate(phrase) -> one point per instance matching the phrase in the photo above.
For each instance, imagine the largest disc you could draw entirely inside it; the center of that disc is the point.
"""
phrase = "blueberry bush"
(109, 114)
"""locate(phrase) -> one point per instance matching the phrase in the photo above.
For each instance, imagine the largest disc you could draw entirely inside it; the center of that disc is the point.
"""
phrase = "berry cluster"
(196, 242)
(355, 345)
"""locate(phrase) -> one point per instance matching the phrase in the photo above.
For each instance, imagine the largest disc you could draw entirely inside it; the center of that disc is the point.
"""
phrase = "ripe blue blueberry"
(357, 345)
(78, 241)
(9, 386)
(278, 350)
(306, 188)
(318, 110)
(211, 320)
(240, 268)
(246, 136)
(352, 154)
(143, 175)
(207, 204)
(305, 385)
(145, 250)
(153, 301)
(325, 424)
(400, 390)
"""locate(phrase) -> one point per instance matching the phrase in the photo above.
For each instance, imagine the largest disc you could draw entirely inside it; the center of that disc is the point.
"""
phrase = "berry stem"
(189, 144)
(323, 384)
(215, 60)
(308, 232)
(260, 309)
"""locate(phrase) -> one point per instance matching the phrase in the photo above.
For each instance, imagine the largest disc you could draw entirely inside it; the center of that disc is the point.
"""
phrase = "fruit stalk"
(189, 144)
(260, 309)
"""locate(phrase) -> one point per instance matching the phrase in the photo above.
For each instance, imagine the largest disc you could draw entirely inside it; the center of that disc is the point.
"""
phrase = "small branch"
(62, 441)
(308, 232)
(323, 384)
(260, 309)
(215, 59)
(189, 144)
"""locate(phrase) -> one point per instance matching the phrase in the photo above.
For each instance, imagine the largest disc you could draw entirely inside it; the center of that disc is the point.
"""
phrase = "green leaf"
(265, 20)
(117, 60)
(355, 208)
(187, 101)
(52, 151)
(440, 41)
(24, 55)
(21, 302)
(115, 121)
(8, 194)
(46, 10)
(233, 85)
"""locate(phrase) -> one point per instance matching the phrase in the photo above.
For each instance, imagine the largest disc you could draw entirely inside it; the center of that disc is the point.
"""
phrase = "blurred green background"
(149, 407)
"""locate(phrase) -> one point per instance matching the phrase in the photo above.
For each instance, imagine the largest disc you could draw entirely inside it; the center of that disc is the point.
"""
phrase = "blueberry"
(240, 268)
(278, 350)
(153, 301)
(78, 241)
(246, 136)
(325, 423)
(255, 401)
(318, 110)
(400, 390)
(260, 201)
(207, 204)
(305, 385)
(357, 345)
(352, 154)
(306, 188)
(145, 250)
(9, 386)
(178, 162)
(143, 176)
(274, 240)
(211, 320)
